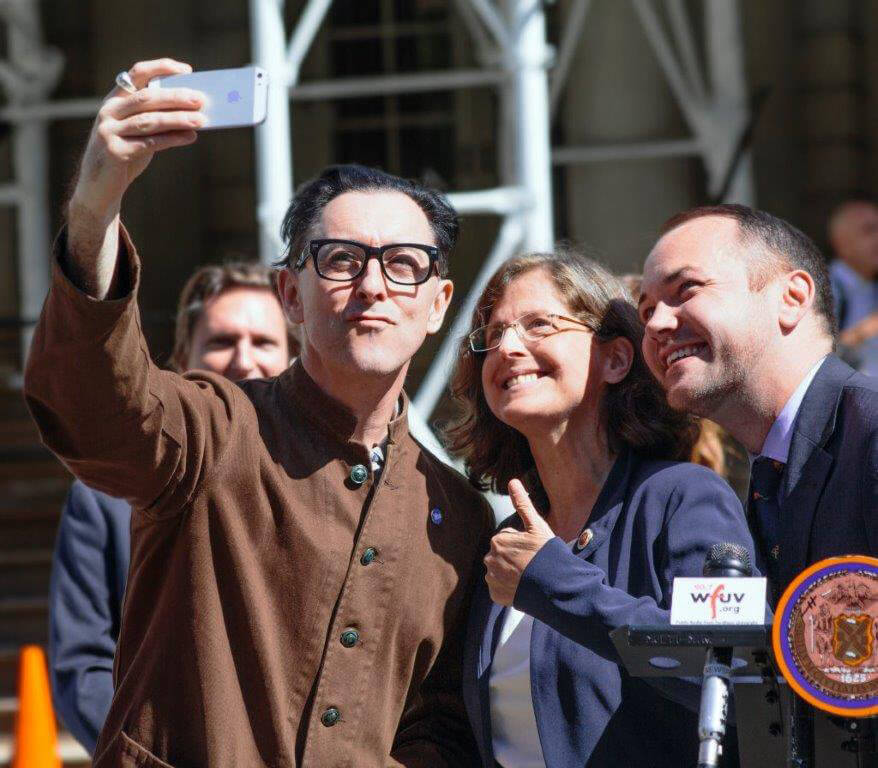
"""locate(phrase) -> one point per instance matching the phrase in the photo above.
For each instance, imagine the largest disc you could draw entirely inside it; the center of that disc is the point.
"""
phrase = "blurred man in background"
(853, 235)
(229, 322)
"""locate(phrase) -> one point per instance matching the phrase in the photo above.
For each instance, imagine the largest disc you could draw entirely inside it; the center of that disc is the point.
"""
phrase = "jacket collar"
(601, 521)
(809, 463)
(327, 413)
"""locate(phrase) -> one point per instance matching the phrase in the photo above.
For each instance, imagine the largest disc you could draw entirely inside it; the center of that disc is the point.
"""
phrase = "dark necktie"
(765, 480)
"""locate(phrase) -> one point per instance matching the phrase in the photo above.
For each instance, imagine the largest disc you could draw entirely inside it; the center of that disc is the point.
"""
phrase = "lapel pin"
(436, 516)
(585, 538)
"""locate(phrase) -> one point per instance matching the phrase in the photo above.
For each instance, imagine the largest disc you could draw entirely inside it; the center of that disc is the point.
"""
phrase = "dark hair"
(634, 411)
(210, 281)
(785, 246)
(314, 195)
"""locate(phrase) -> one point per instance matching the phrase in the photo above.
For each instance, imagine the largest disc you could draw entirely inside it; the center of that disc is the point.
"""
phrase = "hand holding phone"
(233, 97)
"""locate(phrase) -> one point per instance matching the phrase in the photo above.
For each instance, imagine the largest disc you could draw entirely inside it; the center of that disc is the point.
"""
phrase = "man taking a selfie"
(230, 322)
(300, 566)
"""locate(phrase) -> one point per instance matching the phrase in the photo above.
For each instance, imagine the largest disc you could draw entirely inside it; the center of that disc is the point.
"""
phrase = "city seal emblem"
(825, 635)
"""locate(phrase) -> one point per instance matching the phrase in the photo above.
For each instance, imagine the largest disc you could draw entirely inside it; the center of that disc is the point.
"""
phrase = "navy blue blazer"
(652, 521)
(829, 490)
(89, 570)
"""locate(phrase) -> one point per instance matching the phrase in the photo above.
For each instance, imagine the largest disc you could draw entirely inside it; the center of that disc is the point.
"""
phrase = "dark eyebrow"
(667, 280)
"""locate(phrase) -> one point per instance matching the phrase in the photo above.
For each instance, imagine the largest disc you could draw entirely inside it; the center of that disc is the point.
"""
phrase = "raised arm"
(573, 596)
(118, 422)
(128, 131)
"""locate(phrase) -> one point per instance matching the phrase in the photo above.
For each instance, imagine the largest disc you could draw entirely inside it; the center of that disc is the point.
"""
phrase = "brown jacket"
(278, 612)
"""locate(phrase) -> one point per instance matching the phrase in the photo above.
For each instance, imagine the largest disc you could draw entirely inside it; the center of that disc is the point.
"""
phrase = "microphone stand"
(714, 706)
(732, 561)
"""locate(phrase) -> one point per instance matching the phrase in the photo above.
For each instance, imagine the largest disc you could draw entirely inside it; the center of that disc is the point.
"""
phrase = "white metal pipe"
(494, 21)
(274, 164)
(385, 85)
(38, 68)
(529, 106)
(641, 150)
(307, 26)
(30, 146)
(433, 386)
(673, 74)
(725, 48)
(10, 194)
(500, 201)
(566, 50)
(682, 30)
(484, 46)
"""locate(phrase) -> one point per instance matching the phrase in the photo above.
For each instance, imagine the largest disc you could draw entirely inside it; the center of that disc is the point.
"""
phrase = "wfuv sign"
(718, 600)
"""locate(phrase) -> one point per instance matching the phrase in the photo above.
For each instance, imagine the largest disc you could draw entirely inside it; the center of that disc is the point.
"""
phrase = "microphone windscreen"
(725, 558)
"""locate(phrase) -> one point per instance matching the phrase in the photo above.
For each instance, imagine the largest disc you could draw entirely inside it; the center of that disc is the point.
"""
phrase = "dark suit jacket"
(89, 570)
(829, 491)
(652, 521)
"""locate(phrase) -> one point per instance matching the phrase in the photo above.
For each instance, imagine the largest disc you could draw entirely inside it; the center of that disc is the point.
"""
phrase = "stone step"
(69, 750)
(31, 462)
(29, 513)
(25, 572)
(8, 708)
(8, 669)
(20, 498)
(35, 534)
(23, 620)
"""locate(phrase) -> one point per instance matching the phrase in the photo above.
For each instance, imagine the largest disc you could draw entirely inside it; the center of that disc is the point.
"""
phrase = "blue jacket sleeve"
(573, 596)
(84, 607)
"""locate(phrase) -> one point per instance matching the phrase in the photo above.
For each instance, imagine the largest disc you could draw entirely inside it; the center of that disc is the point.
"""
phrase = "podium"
(776, 728)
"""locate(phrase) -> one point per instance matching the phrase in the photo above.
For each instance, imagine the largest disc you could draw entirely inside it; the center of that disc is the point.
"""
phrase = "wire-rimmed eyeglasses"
(345, 260)
(530, 327)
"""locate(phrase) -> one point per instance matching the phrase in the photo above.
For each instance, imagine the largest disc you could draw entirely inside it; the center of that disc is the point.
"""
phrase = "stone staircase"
(33, 485)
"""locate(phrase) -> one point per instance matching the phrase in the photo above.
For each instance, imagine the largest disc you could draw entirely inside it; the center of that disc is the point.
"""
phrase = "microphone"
(723, 560)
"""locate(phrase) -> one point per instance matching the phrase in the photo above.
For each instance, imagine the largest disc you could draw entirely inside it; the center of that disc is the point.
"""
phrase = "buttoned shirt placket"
(340, 693)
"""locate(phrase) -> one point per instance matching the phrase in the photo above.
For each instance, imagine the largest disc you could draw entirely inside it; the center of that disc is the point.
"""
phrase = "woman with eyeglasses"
(561, 411)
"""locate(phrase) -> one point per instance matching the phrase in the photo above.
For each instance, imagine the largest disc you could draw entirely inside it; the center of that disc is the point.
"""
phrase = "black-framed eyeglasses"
(530, 327)
(345, 260)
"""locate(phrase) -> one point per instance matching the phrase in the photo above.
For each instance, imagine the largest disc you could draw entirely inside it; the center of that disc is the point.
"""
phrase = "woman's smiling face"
(533, 385)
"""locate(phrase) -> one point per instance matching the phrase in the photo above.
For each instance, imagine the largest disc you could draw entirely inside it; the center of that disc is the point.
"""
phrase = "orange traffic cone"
(36, 740)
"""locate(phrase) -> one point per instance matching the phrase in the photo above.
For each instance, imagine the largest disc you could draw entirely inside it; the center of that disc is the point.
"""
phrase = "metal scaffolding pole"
(528, 61)
(274, 157)
(509, 36)
(28, 77)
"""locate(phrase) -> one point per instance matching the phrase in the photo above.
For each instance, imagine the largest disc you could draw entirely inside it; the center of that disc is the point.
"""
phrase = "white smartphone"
(233, 97)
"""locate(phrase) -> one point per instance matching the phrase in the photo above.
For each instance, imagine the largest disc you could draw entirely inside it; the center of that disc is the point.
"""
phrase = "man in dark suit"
(740, 329)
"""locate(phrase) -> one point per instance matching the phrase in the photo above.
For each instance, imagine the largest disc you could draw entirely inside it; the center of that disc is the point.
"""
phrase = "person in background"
(230, 322)
(853, 236)
(740, 328)
(556, 394)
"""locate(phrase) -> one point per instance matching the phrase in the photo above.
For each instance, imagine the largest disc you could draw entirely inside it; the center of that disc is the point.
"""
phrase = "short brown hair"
(210, 281)
(635, 412)
(786, 247)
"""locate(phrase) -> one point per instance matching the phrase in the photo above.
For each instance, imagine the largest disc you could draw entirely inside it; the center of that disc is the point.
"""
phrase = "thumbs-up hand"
(512, 550)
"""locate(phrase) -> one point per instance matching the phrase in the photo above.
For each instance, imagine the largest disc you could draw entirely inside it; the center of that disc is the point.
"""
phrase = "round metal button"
(359, 474)
(330, 717)
(349, 638)
(368, 556)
